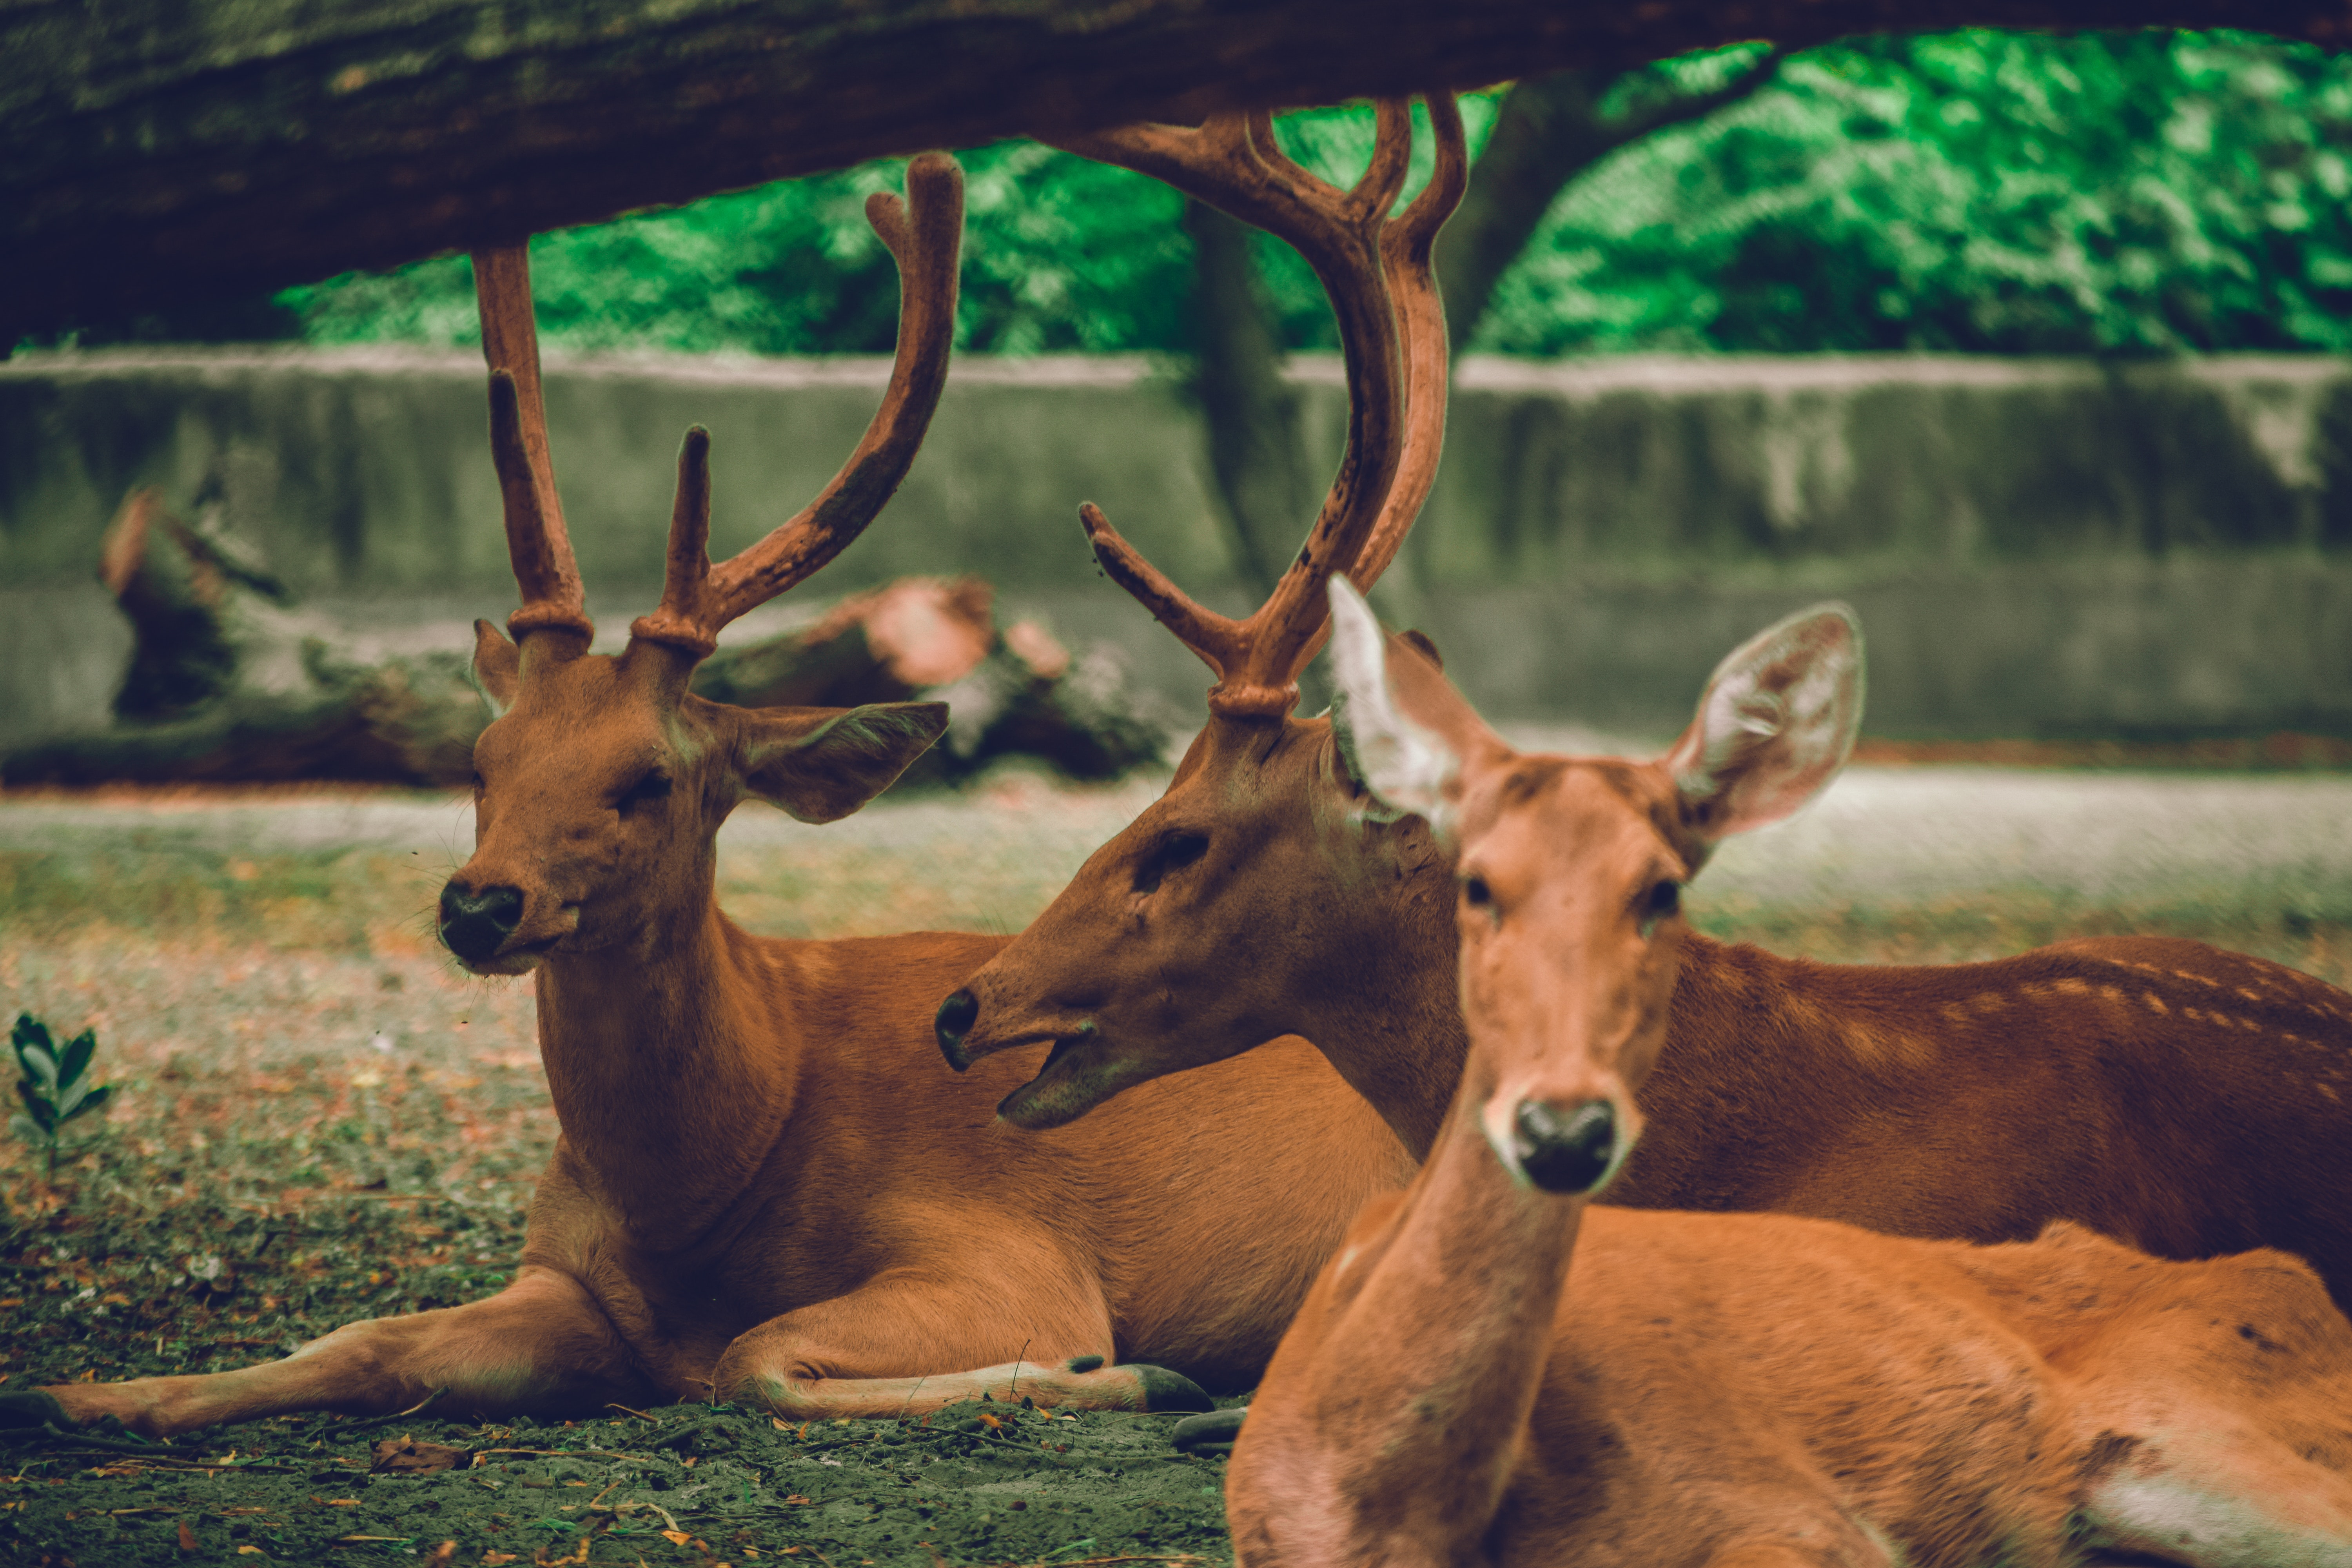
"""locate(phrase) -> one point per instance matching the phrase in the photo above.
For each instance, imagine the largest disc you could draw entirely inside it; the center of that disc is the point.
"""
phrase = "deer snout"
(1568, 1151)
(956, 1017)
(475, 924)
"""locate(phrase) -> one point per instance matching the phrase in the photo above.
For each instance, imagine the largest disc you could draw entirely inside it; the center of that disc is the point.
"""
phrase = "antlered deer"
(2188, 1100)
(765, 1189)
(1491, 1370)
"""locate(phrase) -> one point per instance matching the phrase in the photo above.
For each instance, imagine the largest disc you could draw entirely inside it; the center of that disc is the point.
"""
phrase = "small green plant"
(54, 1083)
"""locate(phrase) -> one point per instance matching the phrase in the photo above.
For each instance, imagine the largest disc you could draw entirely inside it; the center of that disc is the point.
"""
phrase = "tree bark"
(161, 152)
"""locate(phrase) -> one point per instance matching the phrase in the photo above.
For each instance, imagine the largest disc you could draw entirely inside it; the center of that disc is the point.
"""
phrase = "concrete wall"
(2034, 547)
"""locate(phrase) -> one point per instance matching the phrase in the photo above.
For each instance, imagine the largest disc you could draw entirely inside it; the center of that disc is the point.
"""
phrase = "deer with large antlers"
(1493, 1370)
(1980, 1101)
(765, 1189)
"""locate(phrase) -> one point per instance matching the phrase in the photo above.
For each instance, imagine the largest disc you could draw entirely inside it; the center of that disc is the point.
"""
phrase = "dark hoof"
(1209, 1432)
(1165, 1390)
(30, 1411)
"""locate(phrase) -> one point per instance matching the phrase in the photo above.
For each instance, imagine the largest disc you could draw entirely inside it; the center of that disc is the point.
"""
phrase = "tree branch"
(1550, 131)
(162, 153)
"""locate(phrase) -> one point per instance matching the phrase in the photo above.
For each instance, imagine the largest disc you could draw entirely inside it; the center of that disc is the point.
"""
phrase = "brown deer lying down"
(2184, 1100)
(765, 1188)
(1490, 1371)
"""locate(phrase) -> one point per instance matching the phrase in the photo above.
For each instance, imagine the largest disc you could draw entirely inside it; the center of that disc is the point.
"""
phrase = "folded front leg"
(911, 1341)
(539, 1346)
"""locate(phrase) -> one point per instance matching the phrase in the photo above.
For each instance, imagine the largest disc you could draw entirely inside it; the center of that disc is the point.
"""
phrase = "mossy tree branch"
(159, 153)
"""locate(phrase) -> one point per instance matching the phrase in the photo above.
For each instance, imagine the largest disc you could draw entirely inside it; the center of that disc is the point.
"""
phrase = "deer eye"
(654, 786)
(1475, 893)
(1172, 853)
(1663, 900)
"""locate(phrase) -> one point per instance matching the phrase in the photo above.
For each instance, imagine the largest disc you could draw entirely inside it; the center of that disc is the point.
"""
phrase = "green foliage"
(1060, 254)
(1975, 191)
(1978, 191)
(53, 1084)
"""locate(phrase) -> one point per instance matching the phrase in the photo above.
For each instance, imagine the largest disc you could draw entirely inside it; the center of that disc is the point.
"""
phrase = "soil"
(977, 1483)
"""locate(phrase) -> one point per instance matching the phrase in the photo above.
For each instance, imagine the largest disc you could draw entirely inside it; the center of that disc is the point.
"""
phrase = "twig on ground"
(374, 1421)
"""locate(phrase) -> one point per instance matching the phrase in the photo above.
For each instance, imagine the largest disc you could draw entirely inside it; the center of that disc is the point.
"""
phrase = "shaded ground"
(976, 1483)
(318, 1120)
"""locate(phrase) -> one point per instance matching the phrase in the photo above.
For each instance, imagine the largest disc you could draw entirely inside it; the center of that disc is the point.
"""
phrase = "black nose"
(957, 1015)
(1567, 1154)
(475, 925)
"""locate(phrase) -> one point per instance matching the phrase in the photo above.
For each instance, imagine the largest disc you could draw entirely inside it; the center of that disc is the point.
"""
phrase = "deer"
(764, 1190)
(1499, 1367)
(2187, 1100)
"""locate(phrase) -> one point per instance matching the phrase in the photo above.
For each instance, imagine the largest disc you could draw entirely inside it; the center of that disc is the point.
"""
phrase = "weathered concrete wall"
(2034, 547)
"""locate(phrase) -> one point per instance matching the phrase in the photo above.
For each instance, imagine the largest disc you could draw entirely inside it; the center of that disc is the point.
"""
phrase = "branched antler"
(1396, 412)
(699, 598)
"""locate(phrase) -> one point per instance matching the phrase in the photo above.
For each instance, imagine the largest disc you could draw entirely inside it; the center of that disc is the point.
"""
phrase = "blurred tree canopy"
(1975, 191)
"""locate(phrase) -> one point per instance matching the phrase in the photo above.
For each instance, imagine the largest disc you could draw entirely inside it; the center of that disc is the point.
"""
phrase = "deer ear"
(822, 764)
(1776, 724)
(497, 668)
(1401, 728)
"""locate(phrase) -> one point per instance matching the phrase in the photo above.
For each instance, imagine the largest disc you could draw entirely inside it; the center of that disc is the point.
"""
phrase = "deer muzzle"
(1568, 1151)
(475, 923)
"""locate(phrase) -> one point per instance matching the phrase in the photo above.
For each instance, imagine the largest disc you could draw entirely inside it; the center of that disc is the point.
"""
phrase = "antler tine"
(1215, 637)
(1232, 163)
(536, 540)
(1405, 250)
(925, 242)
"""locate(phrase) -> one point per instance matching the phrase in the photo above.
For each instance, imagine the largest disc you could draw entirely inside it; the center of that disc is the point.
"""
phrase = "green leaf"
(30, 1031)
(38, 1106)
(39, 1068)
(85, 1104)
(77, 1052)
(32, 1132)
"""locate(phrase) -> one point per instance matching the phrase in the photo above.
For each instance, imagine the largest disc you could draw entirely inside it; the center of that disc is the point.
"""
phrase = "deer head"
(1138, 967)
(1570, 870)
(600, 786)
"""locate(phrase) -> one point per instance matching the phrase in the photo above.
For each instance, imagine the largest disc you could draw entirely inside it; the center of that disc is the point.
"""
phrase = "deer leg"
(2220, 1496)
(907, 1344)
(540, 1344)
(2216, 1436)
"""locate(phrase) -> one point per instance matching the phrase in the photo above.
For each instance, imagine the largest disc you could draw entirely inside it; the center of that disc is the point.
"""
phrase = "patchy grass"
(318, 1119)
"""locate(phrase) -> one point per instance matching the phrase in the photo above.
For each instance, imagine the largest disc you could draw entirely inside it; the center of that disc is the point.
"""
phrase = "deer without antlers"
(2206, 1113)
(765, 1189)
(1492, 1371)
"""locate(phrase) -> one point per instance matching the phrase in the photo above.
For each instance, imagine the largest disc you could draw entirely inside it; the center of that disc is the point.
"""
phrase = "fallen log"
(231, 681)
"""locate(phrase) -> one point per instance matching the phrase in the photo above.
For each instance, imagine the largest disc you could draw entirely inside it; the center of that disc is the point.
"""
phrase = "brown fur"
(765, 1186)
(1977, 1102)
(1489, 1372)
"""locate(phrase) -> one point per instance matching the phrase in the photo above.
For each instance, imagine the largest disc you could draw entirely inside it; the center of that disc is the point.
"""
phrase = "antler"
(1405, 249)
(1394, 428)
(536, 540)
(699, 598)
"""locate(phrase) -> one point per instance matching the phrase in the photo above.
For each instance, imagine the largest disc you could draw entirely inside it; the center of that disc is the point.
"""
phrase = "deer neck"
(672, 1071)
(1383, 1001)
(1452, 1325)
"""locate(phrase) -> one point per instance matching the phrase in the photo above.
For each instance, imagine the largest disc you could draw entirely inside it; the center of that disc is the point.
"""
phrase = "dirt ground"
(974, 1483)
(318, 1119)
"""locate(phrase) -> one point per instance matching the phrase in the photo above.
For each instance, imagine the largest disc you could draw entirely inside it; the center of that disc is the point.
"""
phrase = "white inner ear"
(1401, 763)
(1766, 752)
